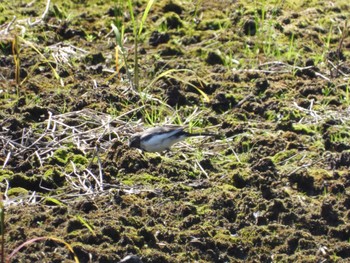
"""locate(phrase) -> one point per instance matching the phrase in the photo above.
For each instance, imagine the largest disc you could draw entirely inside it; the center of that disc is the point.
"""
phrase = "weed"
(346, 97)
(154, 113)
(90, 37)
(15, 52)
(327, 90)
(137, 30)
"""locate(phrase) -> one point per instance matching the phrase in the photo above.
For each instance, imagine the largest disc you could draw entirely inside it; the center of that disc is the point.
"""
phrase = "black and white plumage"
(159, 139)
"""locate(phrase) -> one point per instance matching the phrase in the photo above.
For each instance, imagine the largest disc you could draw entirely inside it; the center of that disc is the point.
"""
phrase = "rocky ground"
(271, 77)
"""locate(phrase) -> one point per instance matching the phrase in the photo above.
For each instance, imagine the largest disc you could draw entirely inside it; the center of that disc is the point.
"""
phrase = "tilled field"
(271, 78)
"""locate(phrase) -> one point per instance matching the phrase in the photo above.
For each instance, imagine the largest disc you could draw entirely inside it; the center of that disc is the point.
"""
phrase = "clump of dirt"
(270, 79)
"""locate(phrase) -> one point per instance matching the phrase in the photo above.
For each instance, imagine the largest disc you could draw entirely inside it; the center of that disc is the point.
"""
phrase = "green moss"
(227, 187)
(283, 155)
(52, 177)
(289, 114)
(224, 236)
(339, 134)
(214, 24)
(49, 172)
(203, 209)
(80, 159)
(131, 222)
(192, 174)
(271, 115)
(144, 178)
(5, 174)
(160, 256)
(308, 129)
(22, 180)
(320, 174)
(64, 155)
(250, 233)
(16, 191)
(60, 156)
(184, 187)
(231, 91)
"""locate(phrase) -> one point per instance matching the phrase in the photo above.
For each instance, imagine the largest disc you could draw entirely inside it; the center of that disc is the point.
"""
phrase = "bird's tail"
(217, 136)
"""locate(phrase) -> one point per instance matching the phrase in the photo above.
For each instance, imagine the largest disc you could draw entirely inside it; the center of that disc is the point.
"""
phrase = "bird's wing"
(160, 130)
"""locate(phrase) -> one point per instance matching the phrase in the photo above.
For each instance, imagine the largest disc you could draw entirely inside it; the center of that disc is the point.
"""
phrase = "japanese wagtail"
(159, 139)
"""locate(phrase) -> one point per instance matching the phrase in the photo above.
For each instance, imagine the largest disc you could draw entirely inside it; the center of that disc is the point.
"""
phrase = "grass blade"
(117, 35)
(131, 10)
(86, 224)
(170, 73)
(54, 201)
(145, 14)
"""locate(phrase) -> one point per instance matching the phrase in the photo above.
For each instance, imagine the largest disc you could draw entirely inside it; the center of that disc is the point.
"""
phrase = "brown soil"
(272, 79)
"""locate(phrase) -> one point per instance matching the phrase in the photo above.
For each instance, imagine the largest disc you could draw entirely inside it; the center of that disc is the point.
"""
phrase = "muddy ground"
(272, 78)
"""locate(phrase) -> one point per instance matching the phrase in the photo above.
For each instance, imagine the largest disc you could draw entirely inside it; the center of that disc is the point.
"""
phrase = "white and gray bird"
(159, 139)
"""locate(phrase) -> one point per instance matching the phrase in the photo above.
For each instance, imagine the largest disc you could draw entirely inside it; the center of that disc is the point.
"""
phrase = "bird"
(161, 138)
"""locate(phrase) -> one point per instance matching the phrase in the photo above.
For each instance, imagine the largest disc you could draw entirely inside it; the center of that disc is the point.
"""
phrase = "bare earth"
(272, 78)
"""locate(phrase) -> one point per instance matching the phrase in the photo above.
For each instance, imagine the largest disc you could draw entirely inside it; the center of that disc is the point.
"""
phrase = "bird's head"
(134, 141)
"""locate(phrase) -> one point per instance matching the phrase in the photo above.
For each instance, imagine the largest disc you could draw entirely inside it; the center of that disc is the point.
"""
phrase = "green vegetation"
(78, 78)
